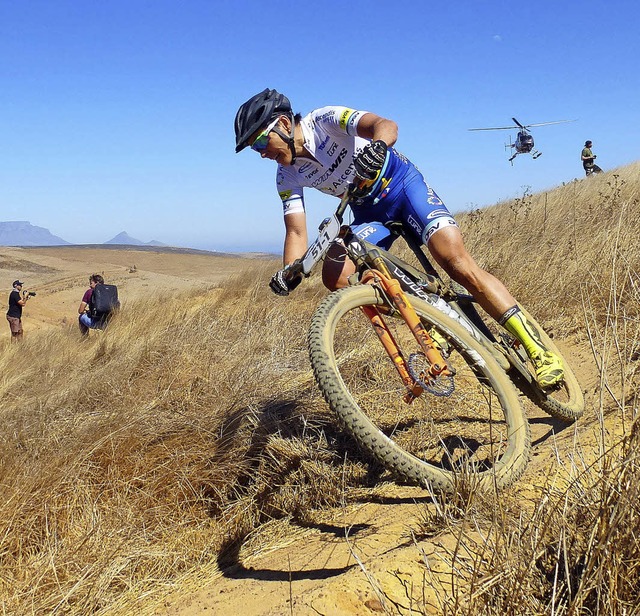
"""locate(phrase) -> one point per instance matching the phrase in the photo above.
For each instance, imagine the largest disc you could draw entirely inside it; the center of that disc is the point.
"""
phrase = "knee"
(462, 269)
(335, 278)
(336, 269)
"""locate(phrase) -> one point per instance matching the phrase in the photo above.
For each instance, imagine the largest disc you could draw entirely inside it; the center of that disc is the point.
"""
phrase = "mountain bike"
(415, 374)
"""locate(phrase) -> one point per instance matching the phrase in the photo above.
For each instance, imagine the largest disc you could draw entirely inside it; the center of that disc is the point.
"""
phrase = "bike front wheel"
(477, 431)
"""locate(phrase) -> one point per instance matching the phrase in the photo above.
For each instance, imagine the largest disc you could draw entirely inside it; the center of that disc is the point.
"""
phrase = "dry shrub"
(576, 552)
(547, 246)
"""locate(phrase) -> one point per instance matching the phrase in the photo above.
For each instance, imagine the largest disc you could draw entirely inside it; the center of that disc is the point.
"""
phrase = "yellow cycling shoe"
(549, 369)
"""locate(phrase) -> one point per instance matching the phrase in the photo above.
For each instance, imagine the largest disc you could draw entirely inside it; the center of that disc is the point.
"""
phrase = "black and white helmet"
(257, 112)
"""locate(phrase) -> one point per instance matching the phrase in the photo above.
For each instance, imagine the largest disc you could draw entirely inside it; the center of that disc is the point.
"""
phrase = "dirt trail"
(363, 558)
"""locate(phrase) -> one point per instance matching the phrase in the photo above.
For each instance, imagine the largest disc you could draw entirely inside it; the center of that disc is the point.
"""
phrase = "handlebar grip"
(293, 271)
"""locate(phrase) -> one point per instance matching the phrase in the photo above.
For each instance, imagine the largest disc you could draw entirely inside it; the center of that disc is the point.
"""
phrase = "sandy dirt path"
(364, 558)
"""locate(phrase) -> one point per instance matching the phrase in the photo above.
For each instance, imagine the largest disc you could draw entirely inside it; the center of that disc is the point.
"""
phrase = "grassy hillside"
(134, 457)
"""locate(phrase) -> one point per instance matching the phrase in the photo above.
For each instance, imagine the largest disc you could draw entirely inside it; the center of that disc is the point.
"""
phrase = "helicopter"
(524, 143)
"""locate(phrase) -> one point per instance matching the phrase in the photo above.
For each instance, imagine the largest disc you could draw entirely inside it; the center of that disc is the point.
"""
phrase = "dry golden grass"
(134, 457)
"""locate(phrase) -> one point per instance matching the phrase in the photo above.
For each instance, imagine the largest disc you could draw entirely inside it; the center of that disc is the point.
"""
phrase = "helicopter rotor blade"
(495, 128)
(518, 123)
(547, 123)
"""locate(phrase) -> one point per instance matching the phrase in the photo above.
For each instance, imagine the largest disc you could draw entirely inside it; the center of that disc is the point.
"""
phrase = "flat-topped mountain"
(23, 233)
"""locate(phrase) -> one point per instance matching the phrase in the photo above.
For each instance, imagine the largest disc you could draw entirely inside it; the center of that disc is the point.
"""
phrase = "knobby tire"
(567, 401)
(479, 433)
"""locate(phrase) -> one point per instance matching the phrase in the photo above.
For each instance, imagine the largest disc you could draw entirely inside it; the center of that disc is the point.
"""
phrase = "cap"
(17, 282)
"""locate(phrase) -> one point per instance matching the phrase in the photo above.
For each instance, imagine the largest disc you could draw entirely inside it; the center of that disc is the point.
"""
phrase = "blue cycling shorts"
(407, 198)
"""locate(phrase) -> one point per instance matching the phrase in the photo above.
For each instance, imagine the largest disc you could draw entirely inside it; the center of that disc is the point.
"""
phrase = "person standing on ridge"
(333, 147)
(588, 159)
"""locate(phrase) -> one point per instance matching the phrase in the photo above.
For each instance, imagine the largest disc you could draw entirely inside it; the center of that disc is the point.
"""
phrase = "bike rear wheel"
(565, 402)
(479, 432)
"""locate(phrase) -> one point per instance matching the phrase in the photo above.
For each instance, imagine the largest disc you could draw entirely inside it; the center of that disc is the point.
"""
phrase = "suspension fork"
(400, 301)
(394, 351)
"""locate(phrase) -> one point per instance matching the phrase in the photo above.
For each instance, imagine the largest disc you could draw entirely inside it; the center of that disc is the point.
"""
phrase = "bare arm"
(374, 127)
(82, 307)
(295, 239)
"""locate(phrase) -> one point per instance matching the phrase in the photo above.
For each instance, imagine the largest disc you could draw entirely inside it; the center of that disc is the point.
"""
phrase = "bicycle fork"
(437, 364)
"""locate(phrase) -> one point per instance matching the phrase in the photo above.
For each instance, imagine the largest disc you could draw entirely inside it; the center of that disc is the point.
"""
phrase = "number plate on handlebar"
(329, 231)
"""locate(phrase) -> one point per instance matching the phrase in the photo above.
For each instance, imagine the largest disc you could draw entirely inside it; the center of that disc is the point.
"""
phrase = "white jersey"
(330, 137)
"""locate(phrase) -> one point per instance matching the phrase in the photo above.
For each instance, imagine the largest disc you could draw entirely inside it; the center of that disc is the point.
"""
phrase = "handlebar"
(328, 231)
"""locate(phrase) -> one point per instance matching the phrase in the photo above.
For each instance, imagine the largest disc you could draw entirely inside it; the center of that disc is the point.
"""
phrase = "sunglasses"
(262, 140)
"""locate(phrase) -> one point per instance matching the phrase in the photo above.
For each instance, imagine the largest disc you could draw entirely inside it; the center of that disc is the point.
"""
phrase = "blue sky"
(119, 115)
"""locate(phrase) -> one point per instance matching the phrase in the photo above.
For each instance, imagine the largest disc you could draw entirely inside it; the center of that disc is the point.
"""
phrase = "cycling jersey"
(330, 136)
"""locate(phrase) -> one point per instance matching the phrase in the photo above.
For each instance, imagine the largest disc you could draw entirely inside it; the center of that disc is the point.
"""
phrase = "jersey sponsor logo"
(365, 232)
(324, 143)
(332, 148)
(325, 116)
(402, 158)
(344, 118)
(352, 122)
(285, 194)
(327, 174)
(304, 168)
(414, 224)
(344, 177)
(441, 224)
(432, 198)
(438, 214)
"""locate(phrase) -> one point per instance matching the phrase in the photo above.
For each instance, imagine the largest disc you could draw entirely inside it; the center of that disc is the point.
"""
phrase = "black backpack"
(104, 301)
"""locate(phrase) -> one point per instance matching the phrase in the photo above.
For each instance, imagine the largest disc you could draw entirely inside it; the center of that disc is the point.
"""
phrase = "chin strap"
(289, 139)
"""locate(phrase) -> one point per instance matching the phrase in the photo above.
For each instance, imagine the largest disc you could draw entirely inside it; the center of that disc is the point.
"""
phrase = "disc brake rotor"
(419, 367)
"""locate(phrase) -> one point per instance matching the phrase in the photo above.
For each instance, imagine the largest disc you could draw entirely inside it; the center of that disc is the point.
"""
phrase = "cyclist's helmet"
(257, 112)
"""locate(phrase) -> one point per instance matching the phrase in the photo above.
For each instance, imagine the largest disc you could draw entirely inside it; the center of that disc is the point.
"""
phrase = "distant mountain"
(23, 233)
(124, 238)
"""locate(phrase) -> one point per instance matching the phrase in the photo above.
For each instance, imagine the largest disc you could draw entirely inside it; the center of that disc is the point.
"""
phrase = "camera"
(28, 294)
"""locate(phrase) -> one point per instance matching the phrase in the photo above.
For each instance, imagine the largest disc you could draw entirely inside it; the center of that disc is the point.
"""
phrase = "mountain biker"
(333, 147)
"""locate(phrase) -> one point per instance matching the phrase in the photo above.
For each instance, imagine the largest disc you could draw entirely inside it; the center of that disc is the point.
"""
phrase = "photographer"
(17, 299)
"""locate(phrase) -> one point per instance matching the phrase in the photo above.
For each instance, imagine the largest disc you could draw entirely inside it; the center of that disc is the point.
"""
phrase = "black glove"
(369, 161)
(282, 282)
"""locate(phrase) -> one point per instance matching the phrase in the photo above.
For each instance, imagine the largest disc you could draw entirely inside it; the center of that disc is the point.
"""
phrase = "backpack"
(104, 301)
